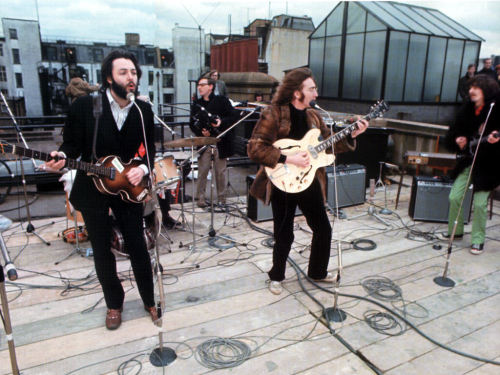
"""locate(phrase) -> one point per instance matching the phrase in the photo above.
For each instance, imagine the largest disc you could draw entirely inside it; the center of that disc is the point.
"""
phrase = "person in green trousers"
(463, 138)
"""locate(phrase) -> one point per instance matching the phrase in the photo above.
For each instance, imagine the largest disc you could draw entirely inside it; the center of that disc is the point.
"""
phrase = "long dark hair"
(292, 82)
(488, 86)
(107, 65)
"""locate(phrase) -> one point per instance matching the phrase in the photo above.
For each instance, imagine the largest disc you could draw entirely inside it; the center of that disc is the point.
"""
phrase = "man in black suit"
(118, 132)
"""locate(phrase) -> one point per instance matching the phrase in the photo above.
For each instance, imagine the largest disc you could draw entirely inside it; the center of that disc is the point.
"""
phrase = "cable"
(221, 353)
(399, 316)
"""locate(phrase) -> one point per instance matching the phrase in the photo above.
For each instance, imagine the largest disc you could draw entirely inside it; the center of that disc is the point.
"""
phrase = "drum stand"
(212, 237)
(191, 245)
(182, 216)
(77, 250)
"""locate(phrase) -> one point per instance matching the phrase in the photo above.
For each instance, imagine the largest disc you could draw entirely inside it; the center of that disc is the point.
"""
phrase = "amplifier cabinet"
(351, 182)
(429, 200)
(256, 210)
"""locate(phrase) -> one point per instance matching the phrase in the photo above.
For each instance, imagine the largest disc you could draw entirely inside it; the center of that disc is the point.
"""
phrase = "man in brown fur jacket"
(291, 116)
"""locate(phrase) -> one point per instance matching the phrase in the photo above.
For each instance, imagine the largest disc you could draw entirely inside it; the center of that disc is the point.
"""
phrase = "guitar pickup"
(112, 173)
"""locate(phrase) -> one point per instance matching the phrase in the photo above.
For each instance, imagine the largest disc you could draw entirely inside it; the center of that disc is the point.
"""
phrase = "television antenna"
(199, 28)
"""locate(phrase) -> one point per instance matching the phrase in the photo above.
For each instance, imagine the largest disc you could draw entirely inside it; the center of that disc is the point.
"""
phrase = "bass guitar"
(293, 179)
(109, 174)
(470, 148)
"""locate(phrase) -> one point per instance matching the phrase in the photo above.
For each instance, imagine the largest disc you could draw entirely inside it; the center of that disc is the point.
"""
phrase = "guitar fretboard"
(337, 137)
(98, 170)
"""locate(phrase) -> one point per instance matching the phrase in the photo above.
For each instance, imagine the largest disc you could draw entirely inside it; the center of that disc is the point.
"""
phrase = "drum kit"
(167, 176)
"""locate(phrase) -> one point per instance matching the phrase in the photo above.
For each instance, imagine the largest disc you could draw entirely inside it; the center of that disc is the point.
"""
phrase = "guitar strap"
(97, 110)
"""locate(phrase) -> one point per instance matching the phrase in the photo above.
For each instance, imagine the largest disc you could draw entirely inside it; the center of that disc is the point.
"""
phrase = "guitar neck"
(337, 137)
(70, 163)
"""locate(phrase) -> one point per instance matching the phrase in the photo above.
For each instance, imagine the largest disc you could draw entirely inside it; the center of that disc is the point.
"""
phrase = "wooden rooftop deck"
(57, 311)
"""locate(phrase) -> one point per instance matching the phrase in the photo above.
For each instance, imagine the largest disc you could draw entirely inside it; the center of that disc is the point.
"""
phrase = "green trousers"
(480, 208)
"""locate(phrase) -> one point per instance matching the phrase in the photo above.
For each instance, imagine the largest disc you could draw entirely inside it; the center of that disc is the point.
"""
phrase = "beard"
(120, 90)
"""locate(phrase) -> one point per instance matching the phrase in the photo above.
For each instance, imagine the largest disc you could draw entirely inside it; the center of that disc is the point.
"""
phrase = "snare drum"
(166, 172)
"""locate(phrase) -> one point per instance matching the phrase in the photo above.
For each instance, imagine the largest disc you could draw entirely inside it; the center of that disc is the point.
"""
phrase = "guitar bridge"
(312, 152)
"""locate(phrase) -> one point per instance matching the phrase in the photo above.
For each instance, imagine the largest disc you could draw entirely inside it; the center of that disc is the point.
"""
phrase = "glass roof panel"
(384, 16)
(468, 34)
(436, 21)
(403, 17)
(320, 31)
(433, 29)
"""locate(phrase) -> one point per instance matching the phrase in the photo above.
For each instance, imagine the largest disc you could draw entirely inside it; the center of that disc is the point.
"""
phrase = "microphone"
(315, 105)
(146, 99)
(5, 223)
(131, 97)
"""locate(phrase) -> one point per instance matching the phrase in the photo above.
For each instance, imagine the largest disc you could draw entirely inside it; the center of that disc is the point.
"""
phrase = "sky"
(109, 20)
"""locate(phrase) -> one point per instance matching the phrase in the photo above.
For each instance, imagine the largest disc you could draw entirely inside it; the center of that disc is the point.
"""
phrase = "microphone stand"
(334, 313)
(5, 223)
(443, 280)
(161, 356)
(212, 234)
(146, 99)
(7, 324)
(30, 229)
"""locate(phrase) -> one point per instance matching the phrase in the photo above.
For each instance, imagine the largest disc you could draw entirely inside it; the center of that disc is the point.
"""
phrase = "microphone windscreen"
(312, 103)
(130, 97)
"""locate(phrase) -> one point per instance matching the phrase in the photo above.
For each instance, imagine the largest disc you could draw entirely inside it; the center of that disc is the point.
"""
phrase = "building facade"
(20, 56)
(37, 71)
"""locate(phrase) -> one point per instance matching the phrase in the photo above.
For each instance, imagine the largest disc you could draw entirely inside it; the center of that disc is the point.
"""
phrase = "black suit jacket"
(220, 106)
(486, 174)
(78, 138)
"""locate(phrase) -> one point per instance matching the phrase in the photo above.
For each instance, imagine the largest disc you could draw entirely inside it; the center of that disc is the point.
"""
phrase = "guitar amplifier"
(258, 211)
(429, 200)
(351, 182)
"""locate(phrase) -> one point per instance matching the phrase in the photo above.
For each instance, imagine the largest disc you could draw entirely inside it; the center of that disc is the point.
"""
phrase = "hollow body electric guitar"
(293, 179)
(109, 174)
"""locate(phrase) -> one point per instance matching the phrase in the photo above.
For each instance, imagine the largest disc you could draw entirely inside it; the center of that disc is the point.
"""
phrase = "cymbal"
(193, 141)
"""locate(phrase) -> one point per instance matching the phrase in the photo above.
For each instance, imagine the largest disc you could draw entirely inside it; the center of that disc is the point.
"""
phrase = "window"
(1, 49)
(13, 33)
(19, 80)
(3, 74)
(98, 74)
(151, 96)
(168, 80)
(168, 98)
(330, 85)
(373, 67)
(352, 67)
(150, 57)
(15, 56)
(50, 53)
(316, 51)
(151, 77)
(415, 69)
(97, 55)
(434, 73)
(396, 64)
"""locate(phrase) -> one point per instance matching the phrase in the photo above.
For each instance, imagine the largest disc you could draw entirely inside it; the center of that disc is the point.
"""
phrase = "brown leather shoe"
(114, 318)
(152, 312)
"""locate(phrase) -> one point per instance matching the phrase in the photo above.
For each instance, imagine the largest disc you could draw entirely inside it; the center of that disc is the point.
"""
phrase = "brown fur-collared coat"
(274, 124)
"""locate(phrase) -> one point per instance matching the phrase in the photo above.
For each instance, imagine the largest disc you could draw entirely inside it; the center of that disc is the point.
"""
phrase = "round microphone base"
(334, 314)
(162, 357)
(444, 282)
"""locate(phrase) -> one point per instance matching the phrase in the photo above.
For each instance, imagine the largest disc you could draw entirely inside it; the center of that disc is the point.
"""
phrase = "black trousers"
(129, 218)
(312, 205)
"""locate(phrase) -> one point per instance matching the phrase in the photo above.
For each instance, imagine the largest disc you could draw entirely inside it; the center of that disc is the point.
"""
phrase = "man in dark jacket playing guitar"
(485, 176)
(120, 133)
(291, 116)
